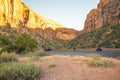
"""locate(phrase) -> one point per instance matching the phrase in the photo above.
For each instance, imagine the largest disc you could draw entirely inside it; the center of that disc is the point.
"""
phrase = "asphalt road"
(105, 53)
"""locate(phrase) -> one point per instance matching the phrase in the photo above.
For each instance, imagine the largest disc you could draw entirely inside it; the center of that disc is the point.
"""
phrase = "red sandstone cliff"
(17, 14)
(107, 13)
(20, 16)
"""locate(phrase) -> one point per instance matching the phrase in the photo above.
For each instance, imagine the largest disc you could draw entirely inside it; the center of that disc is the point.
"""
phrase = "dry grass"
(74, 68)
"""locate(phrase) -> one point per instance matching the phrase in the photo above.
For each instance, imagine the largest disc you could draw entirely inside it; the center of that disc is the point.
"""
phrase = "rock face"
(48, 33)
(107, 13)
(66, 34)
(18, 15)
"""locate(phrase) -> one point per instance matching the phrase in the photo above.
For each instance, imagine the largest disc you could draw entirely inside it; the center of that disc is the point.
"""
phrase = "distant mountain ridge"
(18, 15)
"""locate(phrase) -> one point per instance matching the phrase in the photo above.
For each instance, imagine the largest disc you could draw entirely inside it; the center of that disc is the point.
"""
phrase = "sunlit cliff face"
(17, 14)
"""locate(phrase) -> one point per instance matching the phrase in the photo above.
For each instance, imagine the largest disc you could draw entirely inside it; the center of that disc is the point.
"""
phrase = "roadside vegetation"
(52, 65)
(97, 61)
(19, 71)
(12, 69)
(11, 49)
(22, 43)
(106, 37)
(8, 57)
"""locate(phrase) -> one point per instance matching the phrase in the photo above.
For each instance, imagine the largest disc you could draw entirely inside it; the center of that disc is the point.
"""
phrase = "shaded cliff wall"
(107, 13)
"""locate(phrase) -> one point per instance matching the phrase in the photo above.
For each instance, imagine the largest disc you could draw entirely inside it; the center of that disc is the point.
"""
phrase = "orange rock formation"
(17, 13)
(107, 13)
(20, 16)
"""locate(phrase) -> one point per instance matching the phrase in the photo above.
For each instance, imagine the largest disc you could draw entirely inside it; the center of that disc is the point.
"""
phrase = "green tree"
(6, 44)
(24, 42)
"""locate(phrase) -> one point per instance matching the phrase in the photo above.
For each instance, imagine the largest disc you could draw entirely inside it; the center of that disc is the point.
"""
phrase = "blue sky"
(70, 13)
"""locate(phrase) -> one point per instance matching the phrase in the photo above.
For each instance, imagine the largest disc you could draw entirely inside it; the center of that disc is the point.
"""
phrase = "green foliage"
(54, 44)
(52, 65)
(94, 56)
(24, 42)
(35, 58)
(19, 71)
(13, 33)
(7, 57)
(101, 63)
(6, 44)
(98, 62)
(107, 37)
(36, 53)
(39, 53)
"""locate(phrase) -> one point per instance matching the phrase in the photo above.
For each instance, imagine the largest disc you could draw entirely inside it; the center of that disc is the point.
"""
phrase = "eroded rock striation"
(106, 14)
(18, 15)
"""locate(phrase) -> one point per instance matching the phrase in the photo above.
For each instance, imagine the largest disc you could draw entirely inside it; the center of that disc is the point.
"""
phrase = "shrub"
(36, 53)
(6, 43)
(24, 42)
(101, 63)
(7, 57)
(35, 58)
(39, 53)
(98, 62)
(18, 71)
(94, 56)
(52, 65)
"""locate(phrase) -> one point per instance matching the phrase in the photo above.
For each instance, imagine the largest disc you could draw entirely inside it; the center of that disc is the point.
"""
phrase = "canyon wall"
(18, 15)
(106, 14)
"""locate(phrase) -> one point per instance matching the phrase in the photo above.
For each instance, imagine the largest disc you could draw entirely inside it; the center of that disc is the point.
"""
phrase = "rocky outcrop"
(107, 13)
(20, 16)
(66, 34)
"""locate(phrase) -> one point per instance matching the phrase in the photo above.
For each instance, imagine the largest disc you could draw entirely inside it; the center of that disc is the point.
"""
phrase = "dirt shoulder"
(58, 67)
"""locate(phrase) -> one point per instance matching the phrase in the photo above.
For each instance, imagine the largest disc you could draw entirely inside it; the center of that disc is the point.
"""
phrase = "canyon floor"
(57, 67)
